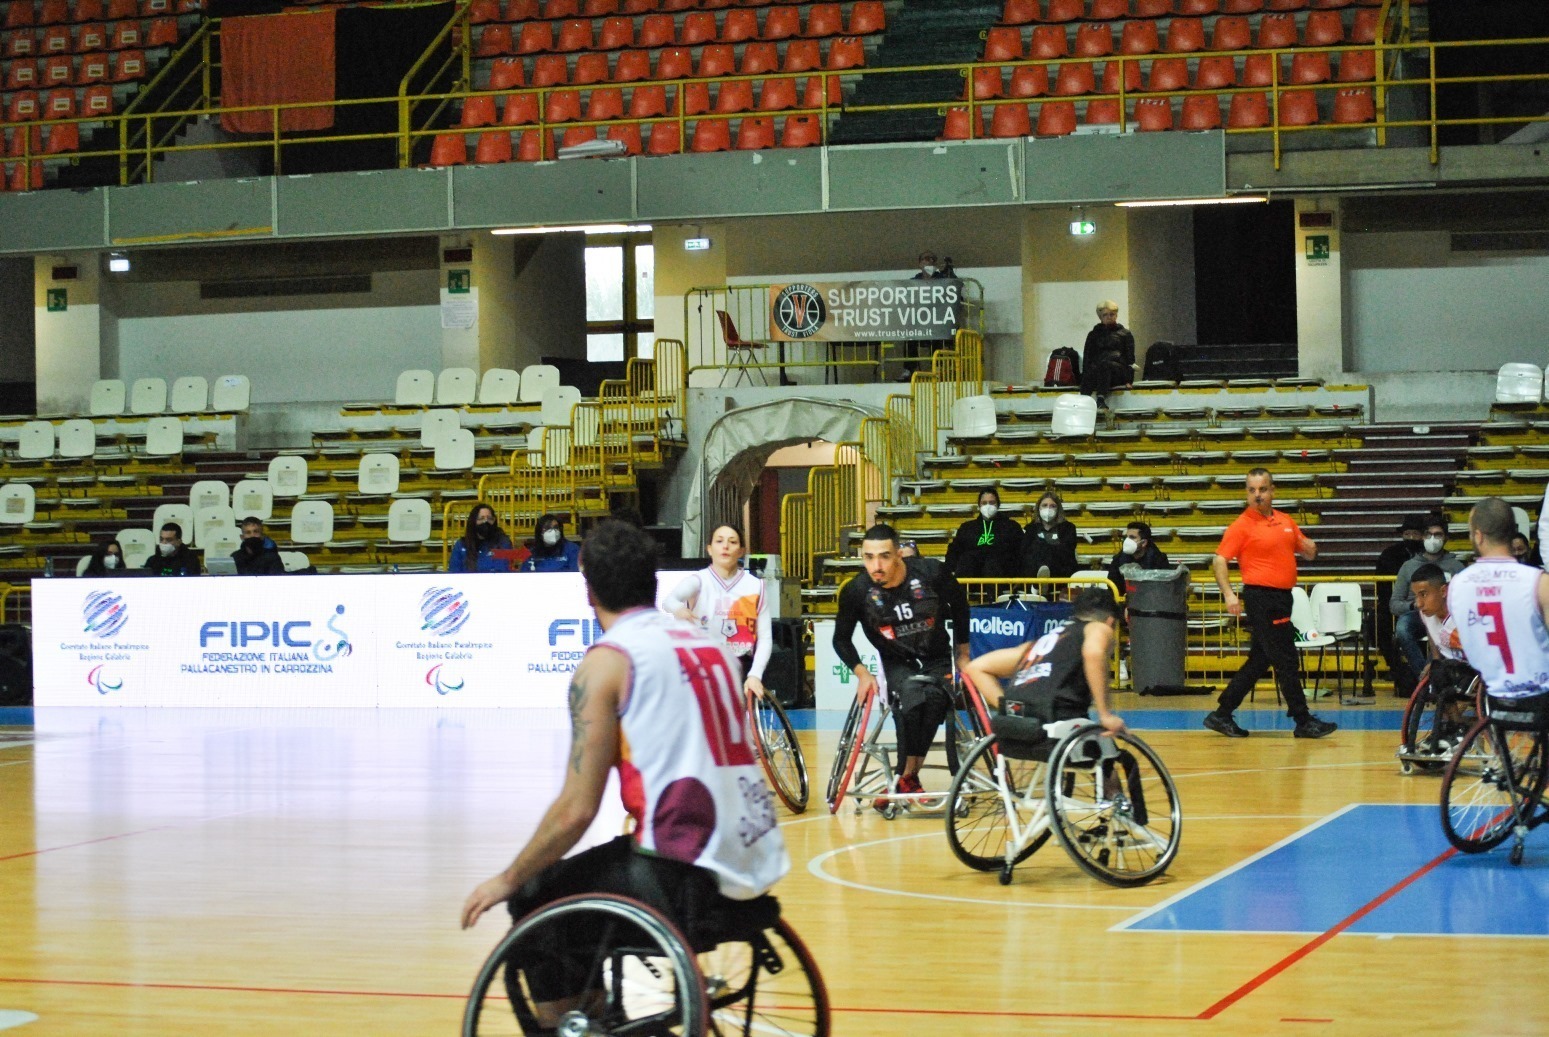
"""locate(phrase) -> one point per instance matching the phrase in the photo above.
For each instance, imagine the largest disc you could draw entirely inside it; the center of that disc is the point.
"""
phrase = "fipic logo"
(102, 682)
(278, 633)
(442, 681)
(104, 614)
(444, 611)
(799, 311)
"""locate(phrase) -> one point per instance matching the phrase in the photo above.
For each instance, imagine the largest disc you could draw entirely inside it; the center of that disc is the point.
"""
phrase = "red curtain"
(277, 59)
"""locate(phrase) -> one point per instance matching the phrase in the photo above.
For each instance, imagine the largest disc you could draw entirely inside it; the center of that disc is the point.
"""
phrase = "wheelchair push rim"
(1118, 817)
(779, 752)
(1481, 789)
(978, 826)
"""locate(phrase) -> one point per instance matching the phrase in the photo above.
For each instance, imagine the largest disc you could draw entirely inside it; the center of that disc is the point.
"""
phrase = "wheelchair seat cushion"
(1021, 738)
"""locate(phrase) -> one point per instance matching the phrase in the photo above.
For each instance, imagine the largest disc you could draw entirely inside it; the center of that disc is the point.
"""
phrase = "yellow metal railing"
(15, 603)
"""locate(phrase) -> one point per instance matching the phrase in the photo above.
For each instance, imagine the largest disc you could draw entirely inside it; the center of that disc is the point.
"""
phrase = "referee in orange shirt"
(1266, 544)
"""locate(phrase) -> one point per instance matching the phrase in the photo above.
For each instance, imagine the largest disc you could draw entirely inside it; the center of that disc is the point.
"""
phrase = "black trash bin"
(1158, 604)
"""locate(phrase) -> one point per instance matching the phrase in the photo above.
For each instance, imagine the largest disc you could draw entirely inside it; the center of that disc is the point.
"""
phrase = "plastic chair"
(823, 20)
(519, 110)
(717, 59)
(94, 36)
(162, 33)
(1107, 10)
(1276, 31)
(56, 40)
(698, 27)
(536, 380)
(802, 56)
(1074, 79)
(574, 34)
(1028, 81)
(1011, 120)
(1048, 42)
(190, 395)
(493, 40)
(448, 149)
(415, 388)
(287, 475)
(632, 66)
(18, 503)
(1139, 37)
(1357, 66)
(1364, 28)
(759, 58)
(1065, 10)
(776, 95)
(311, 522)
(869, 16)
(1153, 8)
(675, 63)
(735, 97)
(21, 106)
(1185, 35)
(98, 100)
(107, 398)
(163, 437)
(456, 386)
(1259, 70)
(535, 38)
(781, 23)
(550, 70)
(814, 88)
(616, 34)
(1215, 73)
(377, 475)
(1231, 32)
(128, 66)
(1248, 111)
(436, 424)
(408, 520)
(1235, 7)
(846, 52)
(76, 438)
(1323, 29)
(1074, 416)
(481, 11)
(1094, 41)
(629, 136)
(1103, 112)
(295, 561)
(1519, 383)
(801, 131)
(253, 498)
(1311, 67)
(1201, 112)
(696, 98)
(741, 25)
(556, 9)
(1131, 76)
(1196, 8)
(19, 15)
(492, 148)
(973, 417)
(957, 124)
(1056, 118)
(1169, 74)
(1153, 114)
(148, 396)
(22, 75)
(182, 515)
(1003, 43)
(985, 83)
(35, 441)
(455, 451)
(95, 68)
(656, 30)
(1298, 108)
(532, 146)
(605, 102)
(231, 394)
(578, 135)
(499, 387)
(507, 74)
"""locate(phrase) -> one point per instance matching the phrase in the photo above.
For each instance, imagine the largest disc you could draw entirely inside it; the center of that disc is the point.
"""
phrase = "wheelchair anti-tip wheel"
(779, 752)
(1115, 812)
(1479, 796)
(978, 822)
(612, 965)
(768, 985)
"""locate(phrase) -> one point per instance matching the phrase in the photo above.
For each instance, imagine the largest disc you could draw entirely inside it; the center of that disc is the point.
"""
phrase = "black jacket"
(985, 549)
(181, 562)
(1054, 547)
(1152, 557)
(265, 561)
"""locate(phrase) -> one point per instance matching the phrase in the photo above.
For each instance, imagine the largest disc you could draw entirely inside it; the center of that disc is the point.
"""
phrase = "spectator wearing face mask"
(929, 271)
(1522, 550)
(172, 557)
(257, 555)
(1409, 631)
(551, 552)
(475, 551)
(105, 560)
(987, 544)
(1389, 562)
(1049, 541)
(1137, 549)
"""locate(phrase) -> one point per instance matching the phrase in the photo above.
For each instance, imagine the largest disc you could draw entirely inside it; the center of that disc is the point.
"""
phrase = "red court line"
(84, 842)
(1318, 941)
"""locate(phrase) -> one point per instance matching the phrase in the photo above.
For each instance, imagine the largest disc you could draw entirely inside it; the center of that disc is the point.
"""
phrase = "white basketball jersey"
(688, 769)
(1494, 603)
(728, 612)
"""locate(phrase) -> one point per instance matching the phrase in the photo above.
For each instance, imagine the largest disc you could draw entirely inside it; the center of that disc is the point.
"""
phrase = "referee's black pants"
(1268, 612)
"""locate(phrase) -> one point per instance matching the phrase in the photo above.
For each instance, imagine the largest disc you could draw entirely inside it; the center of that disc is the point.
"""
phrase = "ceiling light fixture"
(1238, 199)
(591, 228)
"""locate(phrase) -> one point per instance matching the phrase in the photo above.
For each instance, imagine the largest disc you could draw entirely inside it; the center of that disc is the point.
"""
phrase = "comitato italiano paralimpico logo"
(104, 614)
(443, 611)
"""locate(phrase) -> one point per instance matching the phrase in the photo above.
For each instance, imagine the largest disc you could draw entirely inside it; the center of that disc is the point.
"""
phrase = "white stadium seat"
(415, 389)
(231, 394)
(107, 398)
(311, 522)
(378, 474)
(1519, 383)
(190, 395)
(1074, 416)
(454, 451)
(137, 545)
(163, 437)
(148, 396)
(77, 438)
(253, 498)
(182, 514)
(500, 386)
(538, 379)
(456, 386)
(18, 503)
(408, 520)
(294, 561)
(434, 424)
(209, 493)
(973, 416)
(557, 402)
(35, 441)
(288, 475)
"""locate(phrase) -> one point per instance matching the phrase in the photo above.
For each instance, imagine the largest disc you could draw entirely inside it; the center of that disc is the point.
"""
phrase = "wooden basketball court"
(301, 871)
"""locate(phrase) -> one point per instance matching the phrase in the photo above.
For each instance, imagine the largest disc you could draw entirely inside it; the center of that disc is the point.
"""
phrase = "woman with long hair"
(475, 551)
(551, 552)
(1049, 541)
(728, 602)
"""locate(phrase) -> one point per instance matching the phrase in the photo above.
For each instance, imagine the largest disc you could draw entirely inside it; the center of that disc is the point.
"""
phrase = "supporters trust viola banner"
(865, 311)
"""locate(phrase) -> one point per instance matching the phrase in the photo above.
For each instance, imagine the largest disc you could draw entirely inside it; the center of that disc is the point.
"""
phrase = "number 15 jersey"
(1494, 603)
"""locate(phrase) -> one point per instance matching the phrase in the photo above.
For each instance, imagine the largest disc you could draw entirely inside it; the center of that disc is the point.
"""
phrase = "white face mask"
(1131, 546)
(166, 549)
(1433, 544)
(110, 561)
(551, 537)
(988, 511)
(1047, 514)
(928, 268)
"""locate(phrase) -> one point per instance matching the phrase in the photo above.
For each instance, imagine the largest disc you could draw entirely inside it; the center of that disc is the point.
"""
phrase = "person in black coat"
(1389, 562)
(1049, 541)
(1137, 549)
(987, 545)
(100, 565)
(1108, 358)
(257, 555)
(172, 557)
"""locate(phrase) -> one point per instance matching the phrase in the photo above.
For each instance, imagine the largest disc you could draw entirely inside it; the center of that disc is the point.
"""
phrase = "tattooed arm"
(595, 694)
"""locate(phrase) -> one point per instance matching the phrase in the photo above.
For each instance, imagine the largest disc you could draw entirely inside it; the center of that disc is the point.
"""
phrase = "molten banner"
(865, 311)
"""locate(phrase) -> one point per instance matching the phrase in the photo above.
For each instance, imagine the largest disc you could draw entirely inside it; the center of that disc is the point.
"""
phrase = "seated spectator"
(257, 555)
(105, 560)
(1108, 358)
(985, 546)
(929, 271)
(1524, 552)
(1409, 631)
(172, 557)
(1389, 562)
(1137, 549)
(1049, 541)
(475, 550)
(551, 552)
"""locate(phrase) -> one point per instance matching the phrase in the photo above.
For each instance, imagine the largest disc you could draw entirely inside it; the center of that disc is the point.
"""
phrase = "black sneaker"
(1225, 725)
(1310, 726)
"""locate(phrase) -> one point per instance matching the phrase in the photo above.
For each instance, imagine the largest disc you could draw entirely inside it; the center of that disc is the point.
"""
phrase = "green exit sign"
(459, 281)
(58, 300)
(1082, 228)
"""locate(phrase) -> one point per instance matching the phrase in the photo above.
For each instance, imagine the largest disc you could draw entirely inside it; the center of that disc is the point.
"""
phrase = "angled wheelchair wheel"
(852, 741)
(1114, 809)
(1492, 771)
(767, 986)
(589, 964)
(978, 821)
(967, 723)
(779, 751)
(1418, 732)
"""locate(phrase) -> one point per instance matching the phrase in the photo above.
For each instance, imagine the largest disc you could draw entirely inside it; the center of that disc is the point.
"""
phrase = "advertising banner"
(990, 629)
(865, 311)
(833, 684)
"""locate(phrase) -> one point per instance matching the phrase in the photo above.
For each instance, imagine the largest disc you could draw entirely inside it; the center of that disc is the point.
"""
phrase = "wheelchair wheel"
(770, 985)
(1116, 815)
(1418, 732)
(967, 724)
(779, 752)
(978, 825)
(620, 966)
(1478, 800)
(851, 740)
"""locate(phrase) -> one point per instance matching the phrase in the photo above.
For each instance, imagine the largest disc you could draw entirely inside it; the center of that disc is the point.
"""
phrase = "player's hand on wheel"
(488, 893)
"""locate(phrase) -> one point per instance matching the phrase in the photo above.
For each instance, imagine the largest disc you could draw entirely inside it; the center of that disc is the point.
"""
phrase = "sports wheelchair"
(1444, 706)
(863, 760)
(748, 974)
(1108, 799)
(1493, 786)
(778, 750)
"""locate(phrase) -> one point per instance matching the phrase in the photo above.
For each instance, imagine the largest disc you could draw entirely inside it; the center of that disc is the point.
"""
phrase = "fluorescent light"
(591, 228)
(1238, 199)
(118, 263)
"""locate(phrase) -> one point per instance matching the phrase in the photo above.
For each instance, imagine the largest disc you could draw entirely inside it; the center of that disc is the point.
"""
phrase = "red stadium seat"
(56, 40)
(802, 56)
(1310, 68)
(22, 75)
(1010, 120)
(481, 11)
(1201, 112)
(1021, 12)
(1139, 37)
(647, 101)
(717, 59)
(1131, 77)
(1276, 31)
(448, 149)
(97, 100)
(125, 35)
(550, 70)
(479, 111)
(578, 135)
(629, 135)
(507, 74)
(189, 6)
(1259, 70)
(957, 123)
(59, 103)
(1003, 43)
(1065, 10)
(664, 139)
(866, 17)
(1107, 10)
(1196, 8)
(678, 5)
(493, 40)
(1169, 74)
(1056, 118)
(534, 147)
(1231, 32)
(562, 106)
(20, 14)
(616, 34)
(814, 89)
(1354, 105)
(640, 6)
(492, 148)
(675, 63)
(152, 8)
(1215, 73)
(801, 131)
(696, 98)
(632, 66)
(519, 110)
(741, 24)
(1103, 112)
(756, 133)
(599, 8)
(54, 12)
(1241, 6)
(162, 33)
(21, 142)
(1075, 78)
(574, 34)
(1153, 114)
(776, 95)
(698, 27)
(846, 52)
(1331, 3)
(656, 30)
(22, 106)
(1285, 5)
(1048, 42)
(1323, 29)
(1298, 108)
(605, 102)
(1153, 8)
(118, 10)
(735, 97)
(1248, 111)
(58, 70)
(536, 38)
(758, 58)
(1357, 66)
(1185, 35)
(92, 36)
(782, 23)
(557, 9)
(590, 68)
(1364, 28)
(19, 180)
(1094, 41)
(823, 20)
(1028, 81)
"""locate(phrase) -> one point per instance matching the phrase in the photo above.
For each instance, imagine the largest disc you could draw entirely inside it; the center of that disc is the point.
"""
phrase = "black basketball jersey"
(907, 624)
(1051, 676)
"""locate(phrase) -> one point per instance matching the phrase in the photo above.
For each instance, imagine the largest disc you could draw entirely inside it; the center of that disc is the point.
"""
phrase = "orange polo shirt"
(1265, 548)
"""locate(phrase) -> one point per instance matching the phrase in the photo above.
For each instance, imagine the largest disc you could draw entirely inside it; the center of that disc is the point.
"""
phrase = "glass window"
(605, 283)
(605, 347)
(645, 282)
